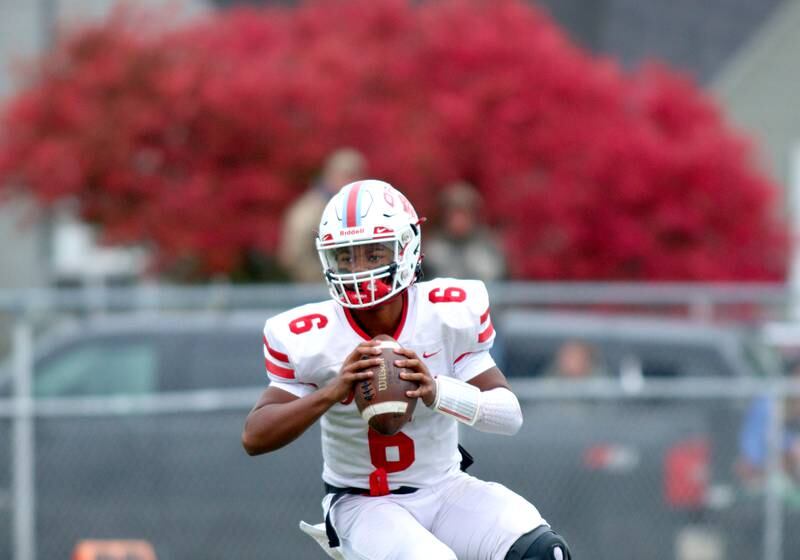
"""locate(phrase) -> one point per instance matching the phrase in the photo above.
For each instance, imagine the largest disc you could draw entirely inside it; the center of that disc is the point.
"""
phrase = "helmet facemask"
(362, 275)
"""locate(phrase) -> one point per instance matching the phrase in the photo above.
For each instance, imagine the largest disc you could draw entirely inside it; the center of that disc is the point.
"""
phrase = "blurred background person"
(574, 360)
(297, 253)
(754, 438)
(461, 246)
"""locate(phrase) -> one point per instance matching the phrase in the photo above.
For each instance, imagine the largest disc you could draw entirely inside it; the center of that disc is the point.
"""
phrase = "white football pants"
(463, 518)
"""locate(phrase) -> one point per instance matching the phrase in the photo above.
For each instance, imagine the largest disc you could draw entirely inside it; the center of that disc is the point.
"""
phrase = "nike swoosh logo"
(426, 355)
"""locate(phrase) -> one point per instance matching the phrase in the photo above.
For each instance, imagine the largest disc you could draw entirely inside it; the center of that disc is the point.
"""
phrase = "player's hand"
(356, 367)
(416, 371)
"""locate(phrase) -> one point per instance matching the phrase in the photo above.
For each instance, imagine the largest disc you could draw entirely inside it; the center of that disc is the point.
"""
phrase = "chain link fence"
(641, 463)
(653, 472)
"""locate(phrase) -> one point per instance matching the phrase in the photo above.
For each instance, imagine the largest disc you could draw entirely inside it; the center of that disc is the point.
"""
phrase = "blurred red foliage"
(193, 139)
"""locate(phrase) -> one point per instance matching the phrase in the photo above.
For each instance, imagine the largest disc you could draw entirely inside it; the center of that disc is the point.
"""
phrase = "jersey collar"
(398, 331)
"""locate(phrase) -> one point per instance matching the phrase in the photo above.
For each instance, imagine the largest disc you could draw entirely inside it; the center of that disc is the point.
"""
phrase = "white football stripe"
(388, 344)
(397, 407)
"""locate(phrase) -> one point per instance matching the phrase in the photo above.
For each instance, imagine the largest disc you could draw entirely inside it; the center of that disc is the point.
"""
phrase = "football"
(382, 400)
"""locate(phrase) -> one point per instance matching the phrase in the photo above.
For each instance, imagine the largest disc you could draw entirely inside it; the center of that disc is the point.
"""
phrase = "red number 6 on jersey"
(308, 322)
(393, 453)
(449, 295)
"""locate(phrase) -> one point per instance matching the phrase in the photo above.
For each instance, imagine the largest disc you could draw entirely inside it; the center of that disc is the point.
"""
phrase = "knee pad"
(540, 544)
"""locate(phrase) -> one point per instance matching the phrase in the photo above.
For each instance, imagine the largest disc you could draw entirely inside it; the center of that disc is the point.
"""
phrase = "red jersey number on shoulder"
(307, 322)
(393, 453)
(448, 295)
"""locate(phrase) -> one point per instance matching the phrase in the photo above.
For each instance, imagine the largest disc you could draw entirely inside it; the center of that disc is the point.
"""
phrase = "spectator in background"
(575, 359)
(297, 253)
(754, 437)
(462, 247)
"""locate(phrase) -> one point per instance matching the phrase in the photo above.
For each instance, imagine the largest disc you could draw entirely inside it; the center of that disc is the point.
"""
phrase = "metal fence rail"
(527, 390)
(699, 297)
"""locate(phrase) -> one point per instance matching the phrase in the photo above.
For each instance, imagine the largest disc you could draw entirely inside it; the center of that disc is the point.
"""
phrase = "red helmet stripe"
(352, 217)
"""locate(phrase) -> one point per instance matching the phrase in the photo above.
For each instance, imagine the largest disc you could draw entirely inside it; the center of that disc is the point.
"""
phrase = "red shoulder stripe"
(487, 332)
(485, 316)
(286, 373)
(274, 353)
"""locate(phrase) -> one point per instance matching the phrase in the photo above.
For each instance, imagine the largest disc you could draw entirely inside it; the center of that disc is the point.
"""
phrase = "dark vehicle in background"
(660, 347)
(603, 472)
(176, 476)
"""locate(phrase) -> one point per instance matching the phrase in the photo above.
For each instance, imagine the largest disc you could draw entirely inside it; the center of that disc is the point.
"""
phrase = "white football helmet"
(369, 242)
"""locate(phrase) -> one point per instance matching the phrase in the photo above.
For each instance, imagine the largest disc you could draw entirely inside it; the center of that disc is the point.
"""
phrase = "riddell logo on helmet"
(351, 231)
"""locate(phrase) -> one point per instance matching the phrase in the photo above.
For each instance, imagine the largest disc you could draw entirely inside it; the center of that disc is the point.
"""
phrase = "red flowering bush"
(195, 139)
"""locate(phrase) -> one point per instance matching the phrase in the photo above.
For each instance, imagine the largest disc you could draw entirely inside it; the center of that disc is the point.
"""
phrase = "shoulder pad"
(289, 338)
(463, 307)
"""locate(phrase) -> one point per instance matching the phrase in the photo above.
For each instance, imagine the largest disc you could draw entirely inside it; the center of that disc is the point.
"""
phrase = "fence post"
(22, 473)
(793, 191)
(773, 501)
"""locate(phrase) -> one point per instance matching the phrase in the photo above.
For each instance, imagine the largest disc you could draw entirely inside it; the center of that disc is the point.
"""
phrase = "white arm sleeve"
(496, 411)
(499, 412)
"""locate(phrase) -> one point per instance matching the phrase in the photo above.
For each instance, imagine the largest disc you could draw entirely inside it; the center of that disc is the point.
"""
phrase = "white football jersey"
(445, 321)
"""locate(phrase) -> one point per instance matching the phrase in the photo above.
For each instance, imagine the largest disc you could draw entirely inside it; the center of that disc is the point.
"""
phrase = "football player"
(402, 496)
